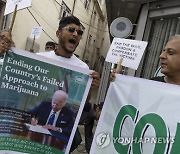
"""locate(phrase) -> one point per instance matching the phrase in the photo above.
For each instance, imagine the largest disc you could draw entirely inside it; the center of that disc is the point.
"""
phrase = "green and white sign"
(139, 117)
(26, 81)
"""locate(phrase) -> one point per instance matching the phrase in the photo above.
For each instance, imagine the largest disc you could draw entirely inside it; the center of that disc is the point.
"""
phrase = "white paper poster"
(36, 32)
(21, 4)
(130, 50)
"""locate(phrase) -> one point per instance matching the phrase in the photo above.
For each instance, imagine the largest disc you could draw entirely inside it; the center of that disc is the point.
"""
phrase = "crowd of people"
(69, 34)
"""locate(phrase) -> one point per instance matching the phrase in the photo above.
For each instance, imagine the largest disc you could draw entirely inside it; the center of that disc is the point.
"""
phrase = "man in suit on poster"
(54, 115)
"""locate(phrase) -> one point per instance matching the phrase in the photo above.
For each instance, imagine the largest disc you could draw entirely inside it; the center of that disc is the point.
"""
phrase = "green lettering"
(126, 111)
(160, 129)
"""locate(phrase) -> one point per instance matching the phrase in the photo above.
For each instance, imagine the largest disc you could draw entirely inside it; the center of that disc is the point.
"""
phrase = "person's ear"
(58, 33)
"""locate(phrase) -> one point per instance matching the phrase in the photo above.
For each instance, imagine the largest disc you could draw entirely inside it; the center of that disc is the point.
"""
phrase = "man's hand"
(97, 113)
(34, 121)
(51, 127)
(112, 76)
(96, 79)
(5, 44)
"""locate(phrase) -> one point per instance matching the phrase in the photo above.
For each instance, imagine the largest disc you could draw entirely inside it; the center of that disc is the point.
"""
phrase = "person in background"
(87, 120)
(5, 41)
(50, 46)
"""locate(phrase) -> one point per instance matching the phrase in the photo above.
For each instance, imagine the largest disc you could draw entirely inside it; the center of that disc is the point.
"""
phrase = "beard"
(63, 45)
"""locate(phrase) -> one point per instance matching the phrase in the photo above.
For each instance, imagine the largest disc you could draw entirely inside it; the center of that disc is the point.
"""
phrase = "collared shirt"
(56, 117)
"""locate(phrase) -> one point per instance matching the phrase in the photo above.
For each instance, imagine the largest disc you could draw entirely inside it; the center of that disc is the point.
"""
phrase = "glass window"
(65, 11)
(87, 4)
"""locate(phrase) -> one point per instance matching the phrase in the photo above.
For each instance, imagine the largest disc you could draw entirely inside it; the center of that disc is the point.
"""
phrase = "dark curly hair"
(68, 20)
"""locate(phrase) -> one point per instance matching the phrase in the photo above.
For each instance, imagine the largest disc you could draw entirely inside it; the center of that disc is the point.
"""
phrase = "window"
(65, 11)
(94, 16)
(87, 4)
(90, 39)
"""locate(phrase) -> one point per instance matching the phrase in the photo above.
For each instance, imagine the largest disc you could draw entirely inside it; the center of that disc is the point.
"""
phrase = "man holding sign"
(141, 111)
(170, 63)
(69, 34)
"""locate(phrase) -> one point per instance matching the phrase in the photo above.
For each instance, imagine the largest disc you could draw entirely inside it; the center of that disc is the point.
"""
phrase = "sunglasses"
(72, 30)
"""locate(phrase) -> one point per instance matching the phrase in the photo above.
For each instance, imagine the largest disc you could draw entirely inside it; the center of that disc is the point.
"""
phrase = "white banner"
(21, 4)
(139, 117)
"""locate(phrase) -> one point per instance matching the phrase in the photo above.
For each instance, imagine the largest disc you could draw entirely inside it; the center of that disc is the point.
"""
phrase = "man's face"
(69, 37)
(49, 48)
(170, 58)
(58, 103)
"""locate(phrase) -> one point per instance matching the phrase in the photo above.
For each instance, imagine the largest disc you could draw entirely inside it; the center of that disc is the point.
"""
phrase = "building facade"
(47, 13)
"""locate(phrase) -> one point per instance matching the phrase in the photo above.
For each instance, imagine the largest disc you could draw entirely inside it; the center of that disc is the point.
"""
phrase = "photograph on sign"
(21, 4)
(130, 50)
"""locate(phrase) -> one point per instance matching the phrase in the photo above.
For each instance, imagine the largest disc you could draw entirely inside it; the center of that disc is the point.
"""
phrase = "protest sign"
(21, 4)
(139, 117)
(130, 50)
(27, 84)
(36, 32)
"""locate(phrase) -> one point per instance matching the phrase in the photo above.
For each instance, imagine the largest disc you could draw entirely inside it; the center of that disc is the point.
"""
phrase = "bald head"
(59, 100)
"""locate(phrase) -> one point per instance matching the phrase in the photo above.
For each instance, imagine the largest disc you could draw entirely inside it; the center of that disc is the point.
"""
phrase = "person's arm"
(34, 114)
(96, 79)
(34, 121)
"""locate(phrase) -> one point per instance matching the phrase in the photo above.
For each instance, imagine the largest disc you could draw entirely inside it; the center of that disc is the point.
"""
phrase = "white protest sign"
(36, 32)
(10, 5)
(130, 50)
